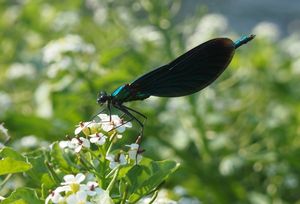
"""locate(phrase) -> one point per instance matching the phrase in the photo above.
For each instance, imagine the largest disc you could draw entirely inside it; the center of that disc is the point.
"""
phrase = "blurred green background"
(237, 140)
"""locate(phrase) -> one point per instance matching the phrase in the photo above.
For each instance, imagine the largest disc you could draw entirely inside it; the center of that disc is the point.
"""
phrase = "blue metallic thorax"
(117, 91)
(125, 93)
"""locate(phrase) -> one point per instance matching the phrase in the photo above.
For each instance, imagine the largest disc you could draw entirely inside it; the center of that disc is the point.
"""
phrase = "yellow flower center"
(74, 187)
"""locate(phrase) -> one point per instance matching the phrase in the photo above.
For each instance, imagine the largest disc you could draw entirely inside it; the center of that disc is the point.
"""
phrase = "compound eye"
(102, 98)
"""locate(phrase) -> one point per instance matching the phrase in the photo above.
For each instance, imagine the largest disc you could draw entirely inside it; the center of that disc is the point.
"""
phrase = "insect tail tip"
(252, 36)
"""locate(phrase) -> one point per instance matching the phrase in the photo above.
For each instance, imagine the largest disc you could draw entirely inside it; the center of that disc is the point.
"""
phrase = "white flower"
(73, 182)
(79, 198)
(87, 128)
(5, 102)
(92, 189)
(98, 138)
(102, 197)
(54, 50)
(3, 132)
(209, 25)
(76, 144)
(267, 30)
(43, 101)
(65, 20)
(113, 122)
(79, 143)
(55, 195)
(29, 141)
(116, 160)
(71, 179)
(18, 70)
(162, 198)
(133, 152)
(146, 33)
(55, 68)
(65, 143)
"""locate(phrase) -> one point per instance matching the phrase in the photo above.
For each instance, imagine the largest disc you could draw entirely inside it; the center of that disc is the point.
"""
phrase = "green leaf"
(9, 152)
(22, 196)
(147, 176)
(37, 159)
(9, 165)
(59, 158)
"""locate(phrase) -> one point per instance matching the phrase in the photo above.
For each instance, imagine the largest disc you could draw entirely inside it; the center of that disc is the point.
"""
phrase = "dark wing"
(188, 73)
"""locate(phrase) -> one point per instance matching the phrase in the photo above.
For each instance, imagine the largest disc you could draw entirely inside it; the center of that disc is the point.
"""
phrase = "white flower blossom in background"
(75, 143)
(53, 51)
(230, 164)
(116, 160)
(267, 30)
(162, 198)
(146, 33)
(291, 45)
(3, 132)
(5, 102)
(100, 15)
(99, 11)
(133, 153)
(29, 142)
(55, 68)
(296, 66)
(42, 96)
(110, 123)
(98, 138)
(65, 20)
(18, 70)
(209, 25)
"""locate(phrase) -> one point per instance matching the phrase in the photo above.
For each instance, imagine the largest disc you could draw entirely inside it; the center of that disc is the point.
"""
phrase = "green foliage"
(12, 162)
(50, 172)
(23, 196)
(145, 178)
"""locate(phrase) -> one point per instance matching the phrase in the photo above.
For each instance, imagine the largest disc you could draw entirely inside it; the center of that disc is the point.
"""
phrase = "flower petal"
(64, 144)
(79, 177)
(69, 178)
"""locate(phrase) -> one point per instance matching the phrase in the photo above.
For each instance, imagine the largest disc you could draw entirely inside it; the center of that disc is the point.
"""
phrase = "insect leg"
(135, 111)
(98, 114)
(125, 110)
(109, 109)
(129, 120)
(145, 118)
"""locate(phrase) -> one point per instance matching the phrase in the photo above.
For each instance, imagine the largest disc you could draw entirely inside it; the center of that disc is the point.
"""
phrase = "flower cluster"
(95, 138)
(73, 191)
(103, 133)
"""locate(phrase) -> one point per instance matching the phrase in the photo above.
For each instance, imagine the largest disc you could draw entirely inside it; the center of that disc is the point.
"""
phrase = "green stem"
(52, 173)
(89, 166)
(111, 143)
(111, 172)
(123, 201)
(111, 184)
(153, 197)
(5, 180)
